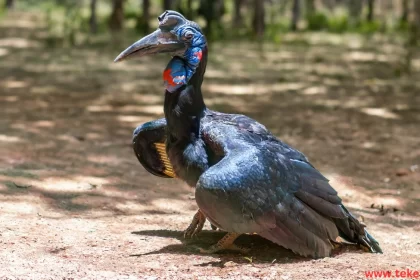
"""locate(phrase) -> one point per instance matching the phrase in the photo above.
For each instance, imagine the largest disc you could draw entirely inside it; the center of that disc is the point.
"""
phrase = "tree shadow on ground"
(69, 114)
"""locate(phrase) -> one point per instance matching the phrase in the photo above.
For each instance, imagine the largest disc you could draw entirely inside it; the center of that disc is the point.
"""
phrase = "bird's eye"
(188, 36)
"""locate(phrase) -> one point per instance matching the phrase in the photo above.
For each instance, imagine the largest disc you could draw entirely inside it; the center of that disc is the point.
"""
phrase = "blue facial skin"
(178, 72)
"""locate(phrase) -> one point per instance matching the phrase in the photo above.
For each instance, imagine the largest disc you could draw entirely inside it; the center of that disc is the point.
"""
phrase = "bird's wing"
(256, 188)
(150, 148)
(253, 131)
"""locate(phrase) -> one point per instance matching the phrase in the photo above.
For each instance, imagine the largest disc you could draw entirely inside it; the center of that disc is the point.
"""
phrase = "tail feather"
(354, 231)
(370, 242)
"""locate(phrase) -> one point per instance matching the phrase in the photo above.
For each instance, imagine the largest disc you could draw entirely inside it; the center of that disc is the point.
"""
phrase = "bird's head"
(177, 36)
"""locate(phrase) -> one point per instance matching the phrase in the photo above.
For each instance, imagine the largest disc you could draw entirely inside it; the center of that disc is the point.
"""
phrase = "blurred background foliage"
(77, 22)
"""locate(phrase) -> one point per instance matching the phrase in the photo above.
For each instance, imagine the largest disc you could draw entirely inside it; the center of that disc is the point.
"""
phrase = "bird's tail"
(354, 231)
(370, 242)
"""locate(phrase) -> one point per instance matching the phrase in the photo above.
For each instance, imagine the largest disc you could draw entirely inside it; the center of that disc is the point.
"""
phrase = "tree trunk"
(413, 36)
(416, 17)
(212, 12)
(117, 17)
(189, 10)
(355, 10)
(295, 15)
(259, 18)
(405, 11)
(310, 7)
(330, 4)
(371, 9)
(167, 5)
(237, 15)
(145, 17)
(93, 26)
(9, 4)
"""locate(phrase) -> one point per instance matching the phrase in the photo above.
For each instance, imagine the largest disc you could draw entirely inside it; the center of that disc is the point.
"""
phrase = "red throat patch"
(167, 77)
(199, 54)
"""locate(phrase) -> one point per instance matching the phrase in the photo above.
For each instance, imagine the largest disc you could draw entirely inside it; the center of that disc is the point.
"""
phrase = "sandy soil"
(75, 203)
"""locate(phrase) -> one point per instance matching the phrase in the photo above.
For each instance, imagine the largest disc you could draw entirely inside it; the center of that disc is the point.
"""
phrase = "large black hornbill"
(246, 180)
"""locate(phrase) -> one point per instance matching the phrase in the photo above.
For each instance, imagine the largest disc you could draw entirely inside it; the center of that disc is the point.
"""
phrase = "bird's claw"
(196, 225)
(192, 231)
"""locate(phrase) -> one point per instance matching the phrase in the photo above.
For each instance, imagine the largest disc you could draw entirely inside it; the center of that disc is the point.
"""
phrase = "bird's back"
(260, 184)
(237, 129)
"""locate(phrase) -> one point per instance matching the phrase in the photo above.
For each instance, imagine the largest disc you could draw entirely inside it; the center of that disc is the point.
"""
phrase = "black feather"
(246, 179)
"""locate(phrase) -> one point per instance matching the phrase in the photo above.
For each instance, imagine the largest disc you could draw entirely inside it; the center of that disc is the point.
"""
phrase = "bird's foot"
(365, 248)
(196, 225)
(336, 245)
(226, 243)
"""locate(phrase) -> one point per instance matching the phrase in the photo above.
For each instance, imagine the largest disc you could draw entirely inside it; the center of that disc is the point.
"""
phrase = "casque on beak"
(157, 42)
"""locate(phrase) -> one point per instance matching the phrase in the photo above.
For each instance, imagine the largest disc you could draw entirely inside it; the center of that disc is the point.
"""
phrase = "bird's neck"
(185, 106)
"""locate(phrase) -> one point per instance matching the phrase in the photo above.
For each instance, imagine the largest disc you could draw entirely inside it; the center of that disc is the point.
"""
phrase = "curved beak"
(156, 42)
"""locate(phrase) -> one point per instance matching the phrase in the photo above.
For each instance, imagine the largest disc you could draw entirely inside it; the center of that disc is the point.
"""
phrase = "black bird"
(246, 180)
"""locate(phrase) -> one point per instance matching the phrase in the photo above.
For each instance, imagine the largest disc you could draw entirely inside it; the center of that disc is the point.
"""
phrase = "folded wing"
(150, 148)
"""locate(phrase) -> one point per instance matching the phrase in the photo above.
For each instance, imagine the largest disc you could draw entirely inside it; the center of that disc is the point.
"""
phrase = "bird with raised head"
(245, 179)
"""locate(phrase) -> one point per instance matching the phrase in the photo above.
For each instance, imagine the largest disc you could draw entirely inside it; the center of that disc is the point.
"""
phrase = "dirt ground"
(76, 204)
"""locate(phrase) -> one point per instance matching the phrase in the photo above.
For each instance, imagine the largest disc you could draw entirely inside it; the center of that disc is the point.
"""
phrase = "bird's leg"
(226, 243)
(196, 225)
